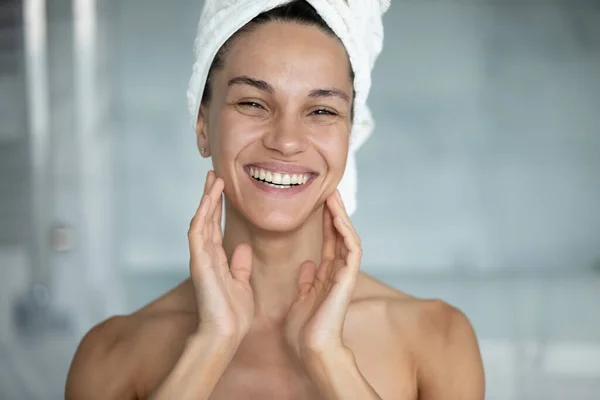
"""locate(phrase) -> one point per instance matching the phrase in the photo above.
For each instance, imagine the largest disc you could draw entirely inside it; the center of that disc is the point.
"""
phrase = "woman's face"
(278, 123)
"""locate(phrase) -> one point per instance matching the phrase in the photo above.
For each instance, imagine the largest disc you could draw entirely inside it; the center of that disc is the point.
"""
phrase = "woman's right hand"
(224, 298)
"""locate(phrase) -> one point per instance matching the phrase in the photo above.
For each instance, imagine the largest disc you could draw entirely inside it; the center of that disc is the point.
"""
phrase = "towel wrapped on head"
(357, 23)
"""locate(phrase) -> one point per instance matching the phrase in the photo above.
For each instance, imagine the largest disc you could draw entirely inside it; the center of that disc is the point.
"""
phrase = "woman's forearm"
(337, 377)
(201, 365)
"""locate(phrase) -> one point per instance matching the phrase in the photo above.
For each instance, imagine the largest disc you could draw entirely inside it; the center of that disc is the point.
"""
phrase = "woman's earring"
(202, 150)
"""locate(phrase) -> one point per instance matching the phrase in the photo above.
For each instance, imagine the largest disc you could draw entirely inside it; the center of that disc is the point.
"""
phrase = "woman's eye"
(250, 104)
(323, 111)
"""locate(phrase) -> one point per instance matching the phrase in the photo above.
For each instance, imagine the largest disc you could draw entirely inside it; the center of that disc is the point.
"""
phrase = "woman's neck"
(276, 260)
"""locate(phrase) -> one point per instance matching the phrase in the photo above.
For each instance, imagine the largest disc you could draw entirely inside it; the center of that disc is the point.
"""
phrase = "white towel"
(357, 23)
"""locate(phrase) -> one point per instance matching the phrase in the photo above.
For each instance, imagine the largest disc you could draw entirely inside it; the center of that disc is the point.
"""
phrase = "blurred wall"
(484, 158)
(485, 154)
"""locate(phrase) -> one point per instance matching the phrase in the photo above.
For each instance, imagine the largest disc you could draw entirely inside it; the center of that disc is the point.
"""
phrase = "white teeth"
(278, 186)
(277, 179)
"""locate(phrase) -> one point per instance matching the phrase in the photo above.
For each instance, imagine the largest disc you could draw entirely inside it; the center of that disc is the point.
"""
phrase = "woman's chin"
(276, 220)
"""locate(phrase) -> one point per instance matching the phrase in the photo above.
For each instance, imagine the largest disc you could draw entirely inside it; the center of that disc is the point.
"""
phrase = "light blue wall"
(485, 157)
(485, 153)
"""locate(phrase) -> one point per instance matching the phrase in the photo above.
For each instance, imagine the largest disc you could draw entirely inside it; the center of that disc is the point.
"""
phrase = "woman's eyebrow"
(331, 92)
(256, 83)
(266, 87)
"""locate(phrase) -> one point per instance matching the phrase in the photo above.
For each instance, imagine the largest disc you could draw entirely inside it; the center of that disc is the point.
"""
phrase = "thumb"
(306, 277)
(241, 263)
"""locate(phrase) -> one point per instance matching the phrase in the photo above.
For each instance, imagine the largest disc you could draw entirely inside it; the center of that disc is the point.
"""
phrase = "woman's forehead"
(290, 48)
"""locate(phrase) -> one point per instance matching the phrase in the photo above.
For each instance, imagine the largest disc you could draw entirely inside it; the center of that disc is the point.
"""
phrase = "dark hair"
(298, 11)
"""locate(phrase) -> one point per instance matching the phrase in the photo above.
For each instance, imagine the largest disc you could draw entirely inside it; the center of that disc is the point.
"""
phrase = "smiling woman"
(282, 97)
(276, 305)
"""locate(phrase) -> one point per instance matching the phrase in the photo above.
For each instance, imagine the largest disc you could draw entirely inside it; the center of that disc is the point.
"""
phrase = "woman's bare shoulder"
(413, 319)
(438, 336)
(112, 359)
(405, 310)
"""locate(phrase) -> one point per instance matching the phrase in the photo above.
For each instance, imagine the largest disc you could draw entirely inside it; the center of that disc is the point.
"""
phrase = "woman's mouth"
(279, 180)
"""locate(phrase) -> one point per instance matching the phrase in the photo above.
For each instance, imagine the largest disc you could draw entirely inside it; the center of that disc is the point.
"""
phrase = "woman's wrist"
(336, 375)
(200, 366)
(213, 345)
(321, 362)
(327, 354)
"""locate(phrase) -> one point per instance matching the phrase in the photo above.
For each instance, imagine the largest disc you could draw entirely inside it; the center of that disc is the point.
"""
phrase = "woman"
(276, 307)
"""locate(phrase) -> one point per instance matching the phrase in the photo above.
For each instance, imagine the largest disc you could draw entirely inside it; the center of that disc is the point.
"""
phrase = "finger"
(339, 199)
(342, 208)
(340, 246)
(337, 212)
(217, 240)
(195, 233)
(336, 206)
(329, 236)
(341, 292)
(324, 272)
(339, 298)
(216, 211)
(221, 264)
(207, 186)
(306, 277)
(348, 234)
(342, 272)
(213, 193)
(217, 236)
(354, 250)
(329, 246)
(208, 182)
(241, 263)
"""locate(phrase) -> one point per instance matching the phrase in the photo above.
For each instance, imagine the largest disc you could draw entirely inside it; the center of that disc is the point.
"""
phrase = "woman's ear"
(202, 132)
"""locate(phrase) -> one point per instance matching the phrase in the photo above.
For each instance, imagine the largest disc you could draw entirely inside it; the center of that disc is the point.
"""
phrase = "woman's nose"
(286, 136)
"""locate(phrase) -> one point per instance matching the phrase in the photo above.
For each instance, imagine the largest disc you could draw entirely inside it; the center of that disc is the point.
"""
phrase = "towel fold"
(357, 23)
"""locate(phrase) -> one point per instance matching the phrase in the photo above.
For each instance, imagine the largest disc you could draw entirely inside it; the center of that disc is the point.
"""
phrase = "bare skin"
(399, 341)
(255, 320)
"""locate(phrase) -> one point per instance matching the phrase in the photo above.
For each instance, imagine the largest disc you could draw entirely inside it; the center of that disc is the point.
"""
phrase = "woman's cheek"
(239, 131)
(334, 145)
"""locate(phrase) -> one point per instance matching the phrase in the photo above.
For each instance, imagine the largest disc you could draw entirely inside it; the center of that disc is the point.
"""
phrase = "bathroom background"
(480, 185)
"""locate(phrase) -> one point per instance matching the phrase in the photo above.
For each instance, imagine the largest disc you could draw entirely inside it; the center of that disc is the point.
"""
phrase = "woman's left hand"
(316, 319)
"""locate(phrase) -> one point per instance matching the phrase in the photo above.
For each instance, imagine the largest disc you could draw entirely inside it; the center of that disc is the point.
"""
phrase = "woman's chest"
(279, 379)
(285, 385)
